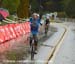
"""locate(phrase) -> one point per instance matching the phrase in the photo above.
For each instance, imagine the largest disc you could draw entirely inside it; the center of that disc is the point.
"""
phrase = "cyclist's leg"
(45, 29)
(35, 41)
(30, 41)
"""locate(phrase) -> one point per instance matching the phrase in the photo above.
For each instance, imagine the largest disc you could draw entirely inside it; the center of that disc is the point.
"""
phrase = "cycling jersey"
(35, 30)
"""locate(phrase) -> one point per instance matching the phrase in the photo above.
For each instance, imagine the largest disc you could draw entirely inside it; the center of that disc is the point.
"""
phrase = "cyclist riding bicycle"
(35, 22)
(47, 22)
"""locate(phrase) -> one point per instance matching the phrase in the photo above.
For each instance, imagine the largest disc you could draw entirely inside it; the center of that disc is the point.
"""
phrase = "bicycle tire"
(32, 52)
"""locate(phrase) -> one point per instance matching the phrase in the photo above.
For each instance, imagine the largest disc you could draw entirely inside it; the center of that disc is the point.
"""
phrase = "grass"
(11, 17)
(16, 55)
(3, 23)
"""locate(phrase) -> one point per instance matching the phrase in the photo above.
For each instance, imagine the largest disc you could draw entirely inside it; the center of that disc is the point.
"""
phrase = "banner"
(2, 34)
(27, 27)
(11, 31)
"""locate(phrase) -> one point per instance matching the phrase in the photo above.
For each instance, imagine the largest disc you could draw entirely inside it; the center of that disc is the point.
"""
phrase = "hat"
(34, 14)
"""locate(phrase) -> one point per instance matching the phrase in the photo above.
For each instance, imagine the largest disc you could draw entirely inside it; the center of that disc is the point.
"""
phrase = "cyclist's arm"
(39, 20)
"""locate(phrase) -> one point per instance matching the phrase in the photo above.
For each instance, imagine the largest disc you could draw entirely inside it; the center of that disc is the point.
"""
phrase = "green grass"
(3, 23)
(11, 17)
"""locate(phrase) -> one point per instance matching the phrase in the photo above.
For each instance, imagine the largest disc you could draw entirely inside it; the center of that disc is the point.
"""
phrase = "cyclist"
(35, 22)
(47, 22)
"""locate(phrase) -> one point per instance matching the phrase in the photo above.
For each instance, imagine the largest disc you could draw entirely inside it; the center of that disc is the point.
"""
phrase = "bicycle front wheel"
(32, 52)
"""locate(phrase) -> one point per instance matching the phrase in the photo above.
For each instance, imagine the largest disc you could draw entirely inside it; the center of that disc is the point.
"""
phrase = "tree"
(1, 3)
(11, 5)
(65, 3)
(34, 5)
(52, 5)
(23, 9)
(70, 10)
(57, 5)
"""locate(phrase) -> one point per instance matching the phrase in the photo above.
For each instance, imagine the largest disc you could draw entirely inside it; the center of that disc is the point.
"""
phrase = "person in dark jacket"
(47, 23)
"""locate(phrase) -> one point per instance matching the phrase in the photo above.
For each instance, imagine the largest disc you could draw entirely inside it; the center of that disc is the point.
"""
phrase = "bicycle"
(32, 46)
(46, 29)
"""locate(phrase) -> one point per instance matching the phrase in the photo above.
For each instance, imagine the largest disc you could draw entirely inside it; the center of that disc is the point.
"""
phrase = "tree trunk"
(1, 3)
(23, 9)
